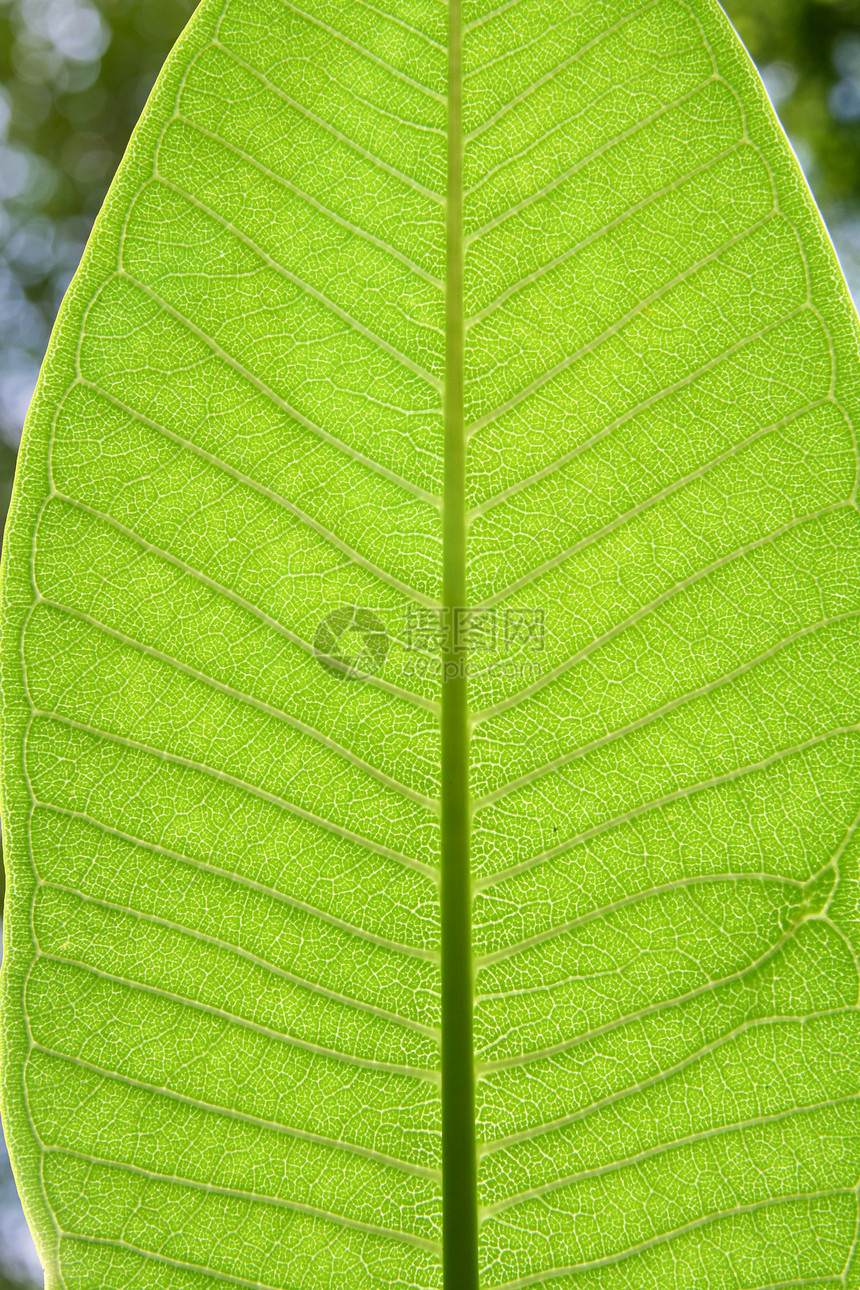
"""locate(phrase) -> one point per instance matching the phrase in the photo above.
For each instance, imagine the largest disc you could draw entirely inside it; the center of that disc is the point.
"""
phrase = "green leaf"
(279, 446)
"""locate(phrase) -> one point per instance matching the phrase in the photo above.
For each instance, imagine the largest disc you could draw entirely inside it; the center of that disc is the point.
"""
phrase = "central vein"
(459, 1168)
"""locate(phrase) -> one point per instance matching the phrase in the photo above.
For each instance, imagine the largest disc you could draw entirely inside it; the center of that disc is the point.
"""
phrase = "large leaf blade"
(222, 979)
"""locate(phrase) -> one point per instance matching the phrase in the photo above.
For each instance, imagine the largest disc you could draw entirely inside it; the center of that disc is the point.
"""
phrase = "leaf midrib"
(459, 1150)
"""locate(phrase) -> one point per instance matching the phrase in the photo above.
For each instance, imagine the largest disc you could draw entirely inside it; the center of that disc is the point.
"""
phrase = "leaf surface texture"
(222, 971)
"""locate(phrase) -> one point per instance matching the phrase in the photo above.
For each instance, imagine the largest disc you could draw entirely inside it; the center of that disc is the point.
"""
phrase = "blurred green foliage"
(7, 1284)
(809, 54)
(74, 75)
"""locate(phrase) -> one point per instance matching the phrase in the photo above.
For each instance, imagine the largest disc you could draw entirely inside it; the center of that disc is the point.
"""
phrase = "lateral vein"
(324, 741)
(658, 713)
(217, 1189)
(689, 790)
(604, 911)
(314, 202)
(643, 612)
(244, 1023)
(291, 807)
(352, 322)
(365, 53)
(276, 399)
(554, 71)
(416, 700)
(563, 176)
(217, 942)
(231, 1113)
(231, 875)
(615, 328)
(664, 1148)
(649, 1010)
(705, 1050)
(328, 128)
(633, 1250)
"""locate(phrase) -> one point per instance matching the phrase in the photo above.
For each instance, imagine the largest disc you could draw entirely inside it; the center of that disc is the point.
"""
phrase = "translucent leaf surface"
(222, 679)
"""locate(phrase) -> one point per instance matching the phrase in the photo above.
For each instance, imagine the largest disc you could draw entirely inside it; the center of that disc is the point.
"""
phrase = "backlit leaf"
(236, 600)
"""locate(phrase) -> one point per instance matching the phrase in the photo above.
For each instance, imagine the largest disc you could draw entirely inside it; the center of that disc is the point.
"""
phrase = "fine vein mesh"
(221, 980)
(663, 470)
(226, 890)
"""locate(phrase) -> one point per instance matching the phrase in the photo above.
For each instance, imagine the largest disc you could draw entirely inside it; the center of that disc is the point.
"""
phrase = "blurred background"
(74, 75)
